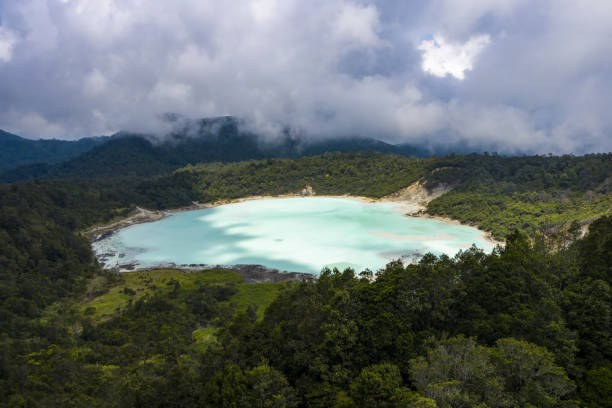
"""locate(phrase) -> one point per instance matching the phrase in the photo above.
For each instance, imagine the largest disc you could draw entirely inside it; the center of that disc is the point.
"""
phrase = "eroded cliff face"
(417, 195)
(307, 191)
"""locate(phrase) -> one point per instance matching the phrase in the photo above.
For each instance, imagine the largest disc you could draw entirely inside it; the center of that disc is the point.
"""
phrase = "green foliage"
(259, 387)
(530, 374)
(595, 251)
(16, 151)
(499, 194)
(459, 373)
(380, 386)
(535, 316)
(530, 194)
(349, 341)
(198, 287)
(597, 387)
(372, 175)
(588, 297)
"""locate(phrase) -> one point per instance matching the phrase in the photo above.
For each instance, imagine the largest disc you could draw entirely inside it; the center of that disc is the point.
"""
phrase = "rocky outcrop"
(307, 192)
(139, 216)
(415, 197)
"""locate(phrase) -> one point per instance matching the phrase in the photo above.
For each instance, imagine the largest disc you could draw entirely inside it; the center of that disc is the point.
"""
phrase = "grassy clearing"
(131, 286)
(203, 337)
(256, 295)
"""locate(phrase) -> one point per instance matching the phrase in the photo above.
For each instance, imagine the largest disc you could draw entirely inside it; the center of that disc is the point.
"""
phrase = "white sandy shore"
(411, 201)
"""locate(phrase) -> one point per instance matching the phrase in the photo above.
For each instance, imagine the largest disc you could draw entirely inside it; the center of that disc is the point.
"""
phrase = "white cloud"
(323, 67)
(95, 83)
(7, 42)
(457, 18)
(265, 11)
(31, 124)
(358, 24)
(441, 57)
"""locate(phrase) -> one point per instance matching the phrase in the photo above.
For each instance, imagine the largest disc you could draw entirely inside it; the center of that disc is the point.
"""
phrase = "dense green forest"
(498, 194)
(529, 325)
(206, 140)
(532, 194)
(370, 175)
(16, 151)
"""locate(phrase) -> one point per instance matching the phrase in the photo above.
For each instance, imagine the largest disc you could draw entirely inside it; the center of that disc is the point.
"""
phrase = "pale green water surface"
(292, 234)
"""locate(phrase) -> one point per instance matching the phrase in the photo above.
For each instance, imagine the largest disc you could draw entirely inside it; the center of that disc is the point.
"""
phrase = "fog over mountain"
(507, 75)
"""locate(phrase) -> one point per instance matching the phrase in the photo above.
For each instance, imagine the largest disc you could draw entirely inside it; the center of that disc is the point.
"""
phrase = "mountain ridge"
(215, 139)
(205, 140)
(16, 151)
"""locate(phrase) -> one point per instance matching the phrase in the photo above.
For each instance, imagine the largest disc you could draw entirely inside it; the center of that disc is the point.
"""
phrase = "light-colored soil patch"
(139, 216)
(413, 199)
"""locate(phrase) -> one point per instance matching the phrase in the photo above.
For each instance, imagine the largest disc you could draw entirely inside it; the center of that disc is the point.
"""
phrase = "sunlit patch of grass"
(131, 286)
(134, 285)
(256, 295)
(204, 337)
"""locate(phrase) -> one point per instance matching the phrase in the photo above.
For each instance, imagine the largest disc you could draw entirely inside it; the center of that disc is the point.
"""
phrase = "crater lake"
(297, 234)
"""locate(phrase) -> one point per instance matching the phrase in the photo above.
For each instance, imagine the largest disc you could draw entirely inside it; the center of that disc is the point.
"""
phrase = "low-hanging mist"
(509, 76)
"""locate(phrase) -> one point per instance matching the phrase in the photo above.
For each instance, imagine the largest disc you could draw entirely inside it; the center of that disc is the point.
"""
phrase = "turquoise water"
(292, 234)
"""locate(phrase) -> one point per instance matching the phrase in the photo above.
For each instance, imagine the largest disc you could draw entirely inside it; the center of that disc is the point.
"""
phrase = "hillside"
(305, 204)
(73, 332)
(16, 151)
(536, 194)
(532, 194)
(523, 315)
(206, 140)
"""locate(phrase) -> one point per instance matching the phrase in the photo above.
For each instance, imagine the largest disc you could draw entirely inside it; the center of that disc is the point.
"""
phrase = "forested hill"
(135, 155)
(527, 326)
(498, 194)
(16, 151)
(531, 194)
(206, 140)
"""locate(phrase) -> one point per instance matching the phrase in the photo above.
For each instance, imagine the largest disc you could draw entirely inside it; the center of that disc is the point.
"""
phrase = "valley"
(305, 204)
(206, 324)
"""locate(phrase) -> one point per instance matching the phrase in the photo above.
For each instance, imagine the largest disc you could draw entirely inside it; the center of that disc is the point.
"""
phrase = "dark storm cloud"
(511, 75)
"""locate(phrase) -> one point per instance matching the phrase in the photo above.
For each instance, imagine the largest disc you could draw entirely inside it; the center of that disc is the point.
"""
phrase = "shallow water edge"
(408, 208)
(141, 215)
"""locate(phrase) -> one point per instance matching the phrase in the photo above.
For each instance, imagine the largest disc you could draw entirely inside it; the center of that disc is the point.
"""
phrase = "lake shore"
(410, 201)
(143, 215)
(250, 273)
(485, 234)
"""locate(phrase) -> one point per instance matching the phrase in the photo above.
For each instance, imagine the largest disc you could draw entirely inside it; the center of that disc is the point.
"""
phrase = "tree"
(458, 373)
(380, 386)
(267, 388)
(596, 389)
(259, 387)
(530, 374)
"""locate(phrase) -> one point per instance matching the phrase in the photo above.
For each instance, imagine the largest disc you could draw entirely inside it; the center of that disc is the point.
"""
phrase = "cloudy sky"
(509, 75)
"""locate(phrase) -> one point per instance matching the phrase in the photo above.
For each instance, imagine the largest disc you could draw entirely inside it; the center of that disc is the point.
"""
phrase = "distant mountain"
(16, 151)
(205, 140)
